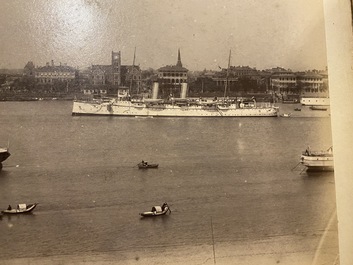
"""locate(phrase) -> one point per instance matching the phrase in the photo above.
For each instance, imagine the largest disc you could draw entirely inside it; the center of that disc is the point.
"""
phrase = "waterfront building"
(107, 74)
(243, 71)
(220, 78)
(311, 84)
(173, 74)
(109, 78)
(115, 76)
(171, 78)
(49, 74)
(283, 82)
(100, 74)
(131, 77)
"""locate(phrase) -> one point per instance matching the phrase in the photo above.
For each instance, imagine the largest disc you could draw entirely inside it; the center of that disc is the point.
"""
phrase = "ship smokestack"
(184, 89)
(155, 90)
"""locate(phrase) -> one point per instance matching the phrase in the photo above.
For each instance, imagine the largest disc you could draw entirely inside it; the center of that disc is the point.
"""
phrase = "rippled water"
(228, 181)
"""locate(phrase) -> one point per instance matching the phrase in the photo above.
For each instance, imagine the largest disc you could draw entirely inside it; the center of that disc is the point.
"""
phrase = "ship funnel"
(184, 89)
(155, 90)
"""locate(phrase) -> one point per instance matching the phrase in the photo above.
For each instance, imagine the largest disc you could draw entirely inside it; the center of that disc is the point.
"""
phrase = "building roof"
(55, 68)
(242, 68)
(29, 65)
(172, 68)
(103, 68)
(309, 75)
(128, 67)
(276, 75)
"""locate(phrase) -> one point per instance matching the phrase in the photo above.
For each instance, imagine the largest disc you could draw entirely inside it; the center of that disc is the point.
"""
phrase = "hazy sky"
(260, 33)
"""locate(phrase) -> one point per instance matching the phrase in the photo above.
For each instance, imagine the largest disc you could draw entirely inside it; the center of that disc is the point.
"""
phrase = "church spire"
(179, 59)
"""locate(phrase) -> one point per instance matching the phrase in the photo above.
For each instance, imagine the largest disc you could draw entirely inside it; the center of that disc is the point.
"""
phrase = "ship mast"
(132, 71)
(226, 84)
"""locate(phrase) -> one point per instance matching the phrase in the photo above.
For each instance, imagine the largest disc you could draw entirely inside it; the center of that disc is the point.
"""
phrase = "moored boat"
(145, 165)
(319, 101)
(318, 160)
(286, 115)
(323, 108)
(157, 211)
(289, 101)
(4, 154)
(20, 209)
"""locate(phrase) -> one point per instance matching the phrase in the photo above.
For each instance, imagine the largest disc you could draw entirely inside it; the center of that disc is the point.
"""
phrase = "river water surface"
(235, 188)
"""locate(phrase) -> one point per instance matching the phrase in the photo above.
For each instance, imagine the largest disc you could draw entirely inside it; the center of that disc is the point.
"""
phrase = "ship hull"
(4, 154)
(168, 110)
(315, 101)
(318, 163)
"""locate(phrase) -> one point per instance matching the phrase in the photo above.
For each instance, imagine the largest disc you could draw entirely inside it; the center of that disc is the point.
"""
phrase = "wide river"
(236, 191)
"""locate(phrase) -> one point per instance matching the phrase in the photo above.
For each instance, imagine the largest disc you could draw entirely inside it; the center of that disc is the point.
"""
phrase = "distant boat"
(145, 165)
(4, 154)
(286, 115)
(323, 108)
(298, 109)
(20, 209)
(315, 101)
(157, 211)
(289, 101)
(318, 160)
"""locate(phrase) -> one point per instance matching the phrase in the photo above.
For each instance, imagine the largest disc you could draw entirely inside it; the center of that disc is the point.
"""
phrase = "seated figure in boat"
(307, 151)
(164, 205)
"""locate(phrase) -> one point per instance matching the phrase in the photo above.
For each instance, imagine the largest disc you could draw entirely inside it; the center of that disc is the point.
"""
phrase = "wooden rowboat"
(21, 208)
(157, 211)
(145, 165)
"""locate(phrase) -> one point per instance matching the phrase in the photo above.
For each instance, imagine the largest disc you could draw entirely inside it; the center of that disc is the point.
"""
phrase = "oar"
(295, 166)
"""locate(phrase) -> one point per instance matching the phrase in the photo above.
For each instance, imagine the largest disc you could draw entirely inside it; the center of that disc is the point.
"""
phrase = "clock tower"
(116, 68)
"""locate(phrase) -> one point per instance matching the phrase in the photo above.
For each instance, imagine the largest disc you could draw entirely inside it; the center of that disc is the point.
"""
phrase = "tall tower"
(116, 67)
(116, 61)
(179, 60)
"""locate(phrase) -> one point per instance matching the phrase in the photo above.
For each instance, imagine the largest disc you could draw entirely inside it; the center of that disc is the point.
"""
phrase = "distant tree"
(147, 73)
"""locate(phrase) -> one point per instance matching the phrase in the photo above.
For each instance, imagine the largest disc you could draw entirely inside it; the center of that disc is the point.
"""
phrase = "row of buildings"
(96, 77)
(107, 79)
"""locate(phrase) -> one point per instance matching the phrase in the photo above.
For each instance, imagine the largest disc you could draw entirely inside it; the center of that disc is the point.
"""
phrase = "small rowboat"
(318, 160)
(21, 208)
(157, 210)
(286, 115)
(323, 108)
(145, 165)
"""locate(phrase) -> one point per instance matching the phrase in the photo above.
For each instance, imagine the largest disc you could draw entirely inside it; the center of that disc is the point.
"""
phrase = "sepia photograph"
(175, 132)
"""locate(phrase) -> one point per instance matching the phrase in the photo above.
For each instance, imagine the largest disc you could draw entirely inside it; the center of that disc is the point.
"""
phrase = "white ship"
(315, 101)
(174, 107)
(319, 160)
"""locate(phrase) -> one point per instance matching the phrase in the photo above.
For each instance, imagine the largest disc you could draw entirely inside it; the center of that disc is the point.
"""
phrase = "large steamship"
(174, 107)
